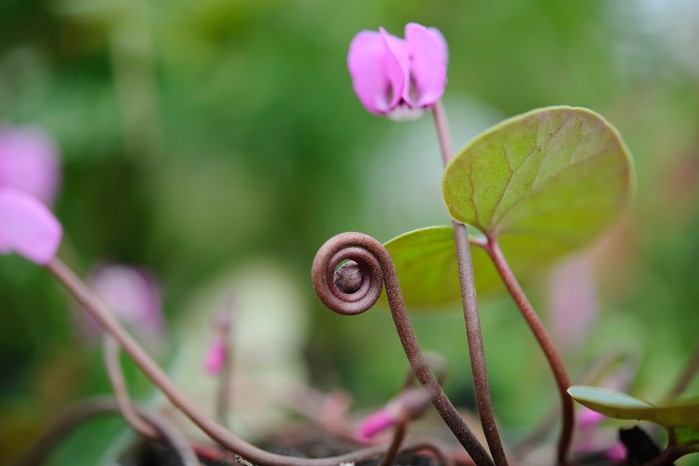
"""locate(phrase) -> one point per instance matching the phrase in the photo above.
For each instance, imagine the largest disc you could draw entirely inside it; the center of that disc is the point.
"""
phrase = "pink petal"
(133, 295)
(589, 418)
(574, 302)
(375, 424)
(216, 358)
(398, 70)
(377, 77)
(617, 452)
(27, 227)
(428, 66)
(29, 162)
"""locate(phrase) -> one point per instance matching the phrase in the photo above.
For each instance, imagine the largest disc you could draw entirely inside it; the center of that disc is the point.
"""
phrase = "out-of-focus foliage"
(198, 134)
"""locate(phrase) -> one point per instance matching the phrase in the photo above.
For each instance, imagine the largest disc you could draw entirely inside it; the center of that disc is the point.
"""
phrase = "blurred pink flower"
(375, 423)
(407, 405)
(398, 77)
(29, 162)
(133, 295)
(216, 357)
(218, 350)
(591, 438)
(27, 227)
(573, 301)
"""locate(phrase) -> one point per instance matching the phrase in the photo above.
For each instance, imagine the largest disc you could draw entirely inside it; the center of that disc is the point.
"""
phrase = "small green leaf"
(556, 175)
(425, 261)
(622, 406)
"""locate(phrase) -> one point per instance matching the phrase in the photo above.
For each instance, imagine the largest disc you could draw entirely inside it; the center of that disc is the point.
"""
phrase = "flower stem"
(396, 441)
(116, 377)
(472, 321)
(689, 372)
(555, 362)
(153, 371)
(224, 393)
(378, 271)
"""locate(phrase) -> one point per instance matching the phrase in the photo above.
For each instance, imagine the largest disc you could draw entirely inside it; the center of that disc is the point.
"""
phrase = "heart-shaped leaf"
(622, 406)
(556, 176)
(425, 261)
(543, 183)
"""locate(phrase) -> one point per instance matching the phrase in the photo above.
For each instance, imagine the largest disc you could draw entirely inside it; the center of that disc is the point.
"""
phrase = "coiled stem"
(376, 270)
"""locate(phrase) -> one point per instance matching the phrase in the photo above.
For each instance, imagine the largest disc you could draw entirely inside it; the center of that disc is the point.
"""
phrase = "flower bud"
(410, 404)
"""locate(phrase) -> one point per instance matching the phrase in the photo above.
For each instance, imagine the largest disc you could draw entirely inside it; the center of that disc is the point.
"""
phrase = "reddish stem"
(396, 441)
(153, 371)
(688, 374)
(111, 352)
(559, 372)
(378, 270)
(469, 300)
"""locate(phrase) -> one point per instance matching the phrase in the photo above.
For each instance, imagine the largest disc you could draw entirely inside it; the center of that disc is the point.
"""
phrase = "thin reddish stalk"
(688, 374)
(378, 271)
(151, 369)
(537, 327)
(224, 393)
(469, 300)
(116, 378)
(394, 447)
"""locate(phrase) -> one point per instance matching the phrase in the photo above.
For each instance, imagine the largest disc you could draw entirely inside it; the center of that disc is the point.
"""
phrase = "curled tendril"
(362, 253)
(368, 258)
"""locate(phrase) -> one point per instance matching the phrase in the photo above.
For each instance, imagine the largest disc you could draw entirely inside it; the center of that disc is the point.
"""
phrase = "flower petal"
(428, 66)
(133, 295)
(374, 424)
(215, 358)
(29, 162)
(397, 68)
(377, 78)
(27, 227)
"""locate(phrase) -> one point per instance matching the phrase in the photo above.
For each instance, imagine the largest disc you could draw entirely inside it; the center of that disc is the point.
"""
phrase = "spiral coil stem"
(376, 271)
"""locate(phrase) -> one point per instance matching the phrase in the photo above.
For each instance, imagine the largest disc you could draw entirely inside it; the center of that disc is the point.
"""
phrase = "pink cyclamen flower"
(29, 162)
(216, 357)
(218, 350)
(133, 295)
(408, 405)
(398, 77)
(27, 227)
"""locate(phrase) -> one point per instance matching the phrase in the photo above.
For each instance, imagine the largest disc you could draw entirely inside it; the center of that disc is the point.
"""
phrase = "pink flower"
(133, 295)
(216, 357)
(376, 423)
(29, 162)
(408, 405)
(27, 227)
(398, 77)
(218, 350)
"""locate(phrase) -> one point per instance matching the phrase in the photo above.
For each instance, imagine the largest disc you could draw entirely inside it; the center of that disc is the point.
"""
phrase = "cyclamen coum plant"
(520, 195)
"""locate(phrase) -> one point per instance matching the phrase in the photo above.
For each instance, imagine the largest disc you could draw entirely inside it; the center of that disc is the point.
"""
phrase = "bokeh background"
(218, 143)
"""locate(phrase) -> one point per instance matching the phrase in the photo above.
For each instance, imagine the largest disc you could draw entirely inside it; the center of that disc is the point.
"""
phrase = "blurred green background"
(198, 136)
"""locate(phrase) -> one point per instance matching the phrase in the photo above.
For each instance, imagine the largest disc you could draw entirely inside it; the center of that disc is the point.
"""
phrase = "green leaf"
(622, 406)
(544, 183)
(552, 179)
(425, 261)
(688, 436)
